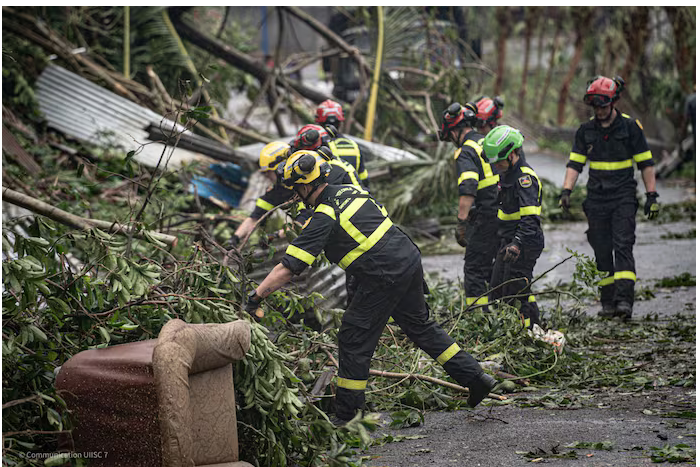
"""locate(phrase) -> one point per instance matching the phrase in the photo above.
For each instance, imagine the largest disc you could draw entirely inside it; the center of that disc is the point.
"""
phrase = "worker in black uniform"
(477, 224)
(613, 142)
(519, 231)
(329, 113)
(355, 232)
(272, 156)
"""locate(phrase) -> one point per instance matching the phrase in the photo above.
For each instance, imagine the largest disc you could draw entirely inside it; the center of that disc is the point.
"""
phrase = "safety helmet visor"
(597, 100)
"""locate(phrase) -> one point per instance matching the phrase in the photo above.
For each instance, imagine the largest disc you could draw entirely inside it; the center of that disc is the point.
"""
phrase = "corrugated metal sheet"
(83, 110)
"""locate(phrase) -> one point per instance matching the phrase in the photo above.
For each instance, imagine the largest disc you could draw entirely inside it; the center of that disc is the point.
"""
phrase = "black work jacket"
(612, 153)
(349, 151)
(355, 232)
(520, 204)
(474, 175)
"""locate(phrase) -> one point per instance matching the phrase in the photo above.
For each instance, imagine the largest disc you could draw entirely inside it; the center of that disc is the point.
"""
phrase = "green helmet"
(501, 141)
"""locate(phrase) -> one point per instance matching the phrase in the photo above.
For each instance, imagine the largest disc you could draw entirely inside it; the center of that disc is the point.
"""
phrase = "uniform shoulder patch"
(525, 181)
(306, 223)
(639, 124)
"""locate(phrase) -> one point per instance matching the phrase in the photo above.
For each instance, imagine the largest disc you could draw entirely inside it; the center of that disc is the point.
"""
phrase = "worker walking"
(477, 224)
(519, 230)
(355, 232)
(613, 142)
(329, 113)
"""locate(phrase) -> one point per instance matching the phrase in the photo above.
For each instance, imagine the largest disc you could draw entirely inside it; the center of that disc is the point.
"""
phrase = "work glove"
(565, 199)
(512, 253)
(651, 207)
(233, 242)
(252, 306)
(461, 232)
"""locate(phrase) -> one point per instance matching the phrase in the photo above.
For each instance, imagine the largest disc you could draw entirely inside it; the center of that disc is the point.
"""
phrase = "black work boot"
(624, 310)
(608, 311)
(479, 389)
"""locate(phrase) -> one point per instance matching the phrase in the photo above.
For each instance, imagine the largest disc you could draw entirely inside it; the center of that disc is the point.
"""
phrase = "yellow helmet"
(305, 168)
(272, 155)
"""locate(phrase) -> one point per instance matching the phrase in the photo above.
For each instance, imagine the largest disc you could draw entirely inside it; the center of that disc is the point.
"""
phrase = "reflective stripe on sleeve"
(448, 354)
(619, 165)
(261, 203)
(327, 210)
(300, 254)
(487, 182)
(629, 275)
(642, 156)
(576, 157)
(354, 384)
(467, 176)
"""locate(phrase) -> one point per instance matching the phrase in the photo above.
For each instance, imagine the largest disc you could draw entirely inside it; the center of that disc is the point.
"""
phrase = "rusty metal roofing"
(83, 110)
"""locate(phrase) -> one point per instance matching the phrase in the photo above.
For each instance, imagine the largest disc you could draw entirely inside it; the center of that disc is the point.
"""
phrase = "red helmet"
(454, 117)
(488, 110)
(310, 137)
(320, 129)
(603, 91)
(329, 111)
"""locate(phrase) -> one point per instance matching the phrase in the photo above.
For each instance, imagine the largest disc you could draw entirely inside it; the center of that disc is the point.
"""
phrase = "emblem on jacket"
(525, 181)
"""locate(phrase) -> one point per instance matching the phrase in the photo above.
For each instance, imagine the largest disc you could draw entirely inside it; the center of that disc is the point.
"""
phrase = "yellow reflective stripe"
(531, 211)
(348, 226)
(531, 299)
(597, 165)
(448, 354)
(487, 182)
(576, 157)
(606, 281)
(300, 254)
(355, 384)
(457, 151)
(475, 146)
(327, 210)
(467, 176)
(486, 167)
(477, 300)
(367, 244)
(364, 174)
(625, 115)
(629, 275)
(261, 203)
(513, 216)
(527, 322)
(642, 156)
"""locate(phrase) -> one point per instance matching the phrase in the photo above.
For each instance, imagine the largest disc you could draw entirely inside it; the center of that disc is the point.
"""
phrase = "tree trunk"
(635, 27)
(683, 22)
(550, 69)
(531, 16)
(503, 18)
(582, 17)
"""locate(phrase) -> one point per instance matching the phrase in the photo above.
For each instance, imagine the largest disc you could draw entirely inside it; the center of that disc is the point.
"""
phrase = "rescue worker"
(613, 142)
(330, 114)
(477, 224)
(272, 156)
(356, 233)
(519, 229)
(487, 114)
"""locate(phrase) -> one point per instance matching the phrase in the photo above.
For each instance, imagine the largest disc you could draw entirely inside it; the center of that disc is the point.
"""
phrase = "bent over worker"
(356, 233)
(272, 156)
(613, 142)
(329, 113)
(477, 224)
(519, 231)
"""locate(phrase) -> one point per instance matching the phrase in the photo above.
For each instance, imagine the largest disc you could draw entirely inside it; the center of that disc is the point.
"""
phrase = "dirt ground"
(493, 436)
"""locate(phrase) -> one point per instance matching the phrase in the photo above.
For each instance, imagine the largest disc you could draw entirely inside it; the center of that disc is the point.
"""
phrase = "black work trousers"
(482, 246)
(399, 296)
(611, 225)
(514, 278)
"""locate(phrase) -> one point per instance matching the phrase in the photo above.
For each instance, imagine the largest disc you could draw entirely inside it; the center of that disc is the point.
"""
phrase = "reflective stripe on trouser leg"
(478, 261)
(599, 235)
(411, 314)
(623, 238)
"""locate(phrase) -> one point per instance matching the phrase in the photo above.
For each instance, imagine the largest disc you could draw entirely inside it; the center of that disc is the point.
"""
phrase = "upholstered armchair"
(167, 402)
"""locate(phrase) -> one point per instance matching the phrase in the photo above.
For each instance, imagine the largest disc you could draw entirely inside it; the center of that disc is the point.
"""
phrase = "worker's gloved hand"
(651, 207)
(512, 253)
(252, 307)
(565, 199)
(461, 232)
(233, 242)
